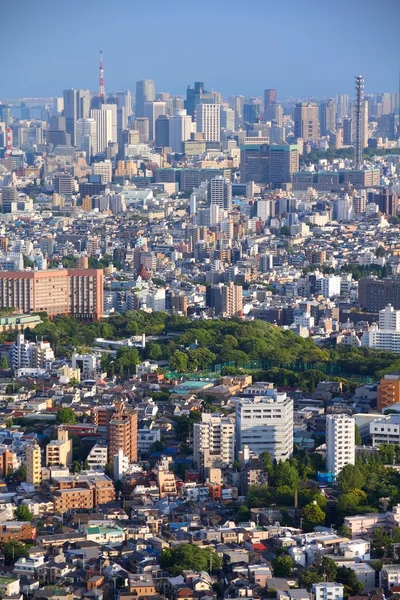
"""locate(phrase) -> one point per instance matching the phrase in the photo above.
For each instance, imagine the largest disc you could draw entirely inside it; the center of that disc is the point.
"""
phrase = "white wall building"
(329, 285)
(86, 136)
(265, 424)
(328, 591)
(180, 128)
(386, 335)
(214, 439)
(104, 127)
(103, 168)
(385, 430)
(152, 110)
(98, 457)
(36, 355)
(120, 465)
(340, 442)
(146, 438)
(208, 121)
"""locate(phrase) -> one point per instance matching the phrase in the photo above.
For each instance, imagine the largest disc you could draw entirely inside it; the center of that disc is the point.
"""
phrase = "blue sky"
(301, 47)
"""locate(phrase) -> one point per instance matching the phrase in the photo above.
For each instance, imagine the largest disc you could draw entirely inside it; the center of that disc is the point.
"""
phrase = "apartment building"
(123, 432)
(265, 424)
(16, 530)
(340, 442)
(328, 591)
(214, 440)
(59, 451)
(388, 391)
(33, 465)
(385, 430)
(56, 291)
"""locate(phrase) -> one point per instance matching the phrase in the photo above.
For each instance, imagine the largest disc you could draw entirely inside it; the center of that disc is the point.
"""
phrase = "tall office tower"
(342, 106)
(227, 118)
(347, 131)
(55, 291)
(180, 128)
(58, 107)
(306, 121)
(152, 110)
(141, 124)
(220, 192)
(251, 112)
(5, 114)
(193, 98)
(340, 442)
(9, 198)
(162, 132)
(272, 164)
(327, 117)
(237, 103)
(208, 121)
(274, 113)
(57, 134)
(123, 432)
(270, 97)
(214, 441)
(124, 100)
(264, 423)
(359, 144)
(33, 465)
(145, 92)
(104, 128)
(76, 106)
(86, 137)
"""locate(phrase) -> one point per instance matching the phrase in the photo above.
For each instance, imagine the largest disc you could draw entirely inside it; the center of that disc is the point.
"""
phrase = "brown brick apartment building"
(75, 292)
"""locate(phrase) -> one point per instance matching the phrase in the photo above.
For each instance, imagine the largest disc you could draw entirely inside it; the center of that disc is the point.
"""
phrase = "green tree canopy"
(282, 565)
(189, 556)
(350, 478)
(66, 416)
(312, 515)
(13, 551)
(22, 513)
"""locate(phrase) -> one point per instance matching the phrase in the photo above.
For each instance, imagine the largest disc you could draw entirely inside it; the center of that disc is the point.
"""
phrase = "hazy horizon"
(301, 49)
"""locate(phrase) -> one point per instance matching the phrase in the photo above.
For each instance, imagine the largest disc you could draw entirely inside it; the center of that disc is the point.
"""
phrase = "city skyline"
(236, 61)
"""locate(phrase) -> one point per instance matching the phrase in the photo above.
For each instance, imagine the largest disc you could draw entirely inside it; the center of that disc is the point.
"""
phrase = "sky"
(303, 48)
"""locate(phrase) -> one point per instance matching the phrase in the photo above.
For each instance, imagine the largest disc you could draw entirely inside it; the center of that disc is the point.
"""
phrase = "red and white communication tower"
(9, 142)
(102, 91)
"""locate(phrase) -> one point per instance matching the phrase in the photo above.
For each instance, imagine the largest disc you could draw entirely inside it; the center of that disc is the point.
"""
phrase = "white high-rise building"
(104, 127)
(103, 168)
(214, 440)
(152, 110)
(389, 318)
(328, 285)
(86, 136)
(264, 423)
(340, 442)
(220, 192)
(180, 128)
(208, 121)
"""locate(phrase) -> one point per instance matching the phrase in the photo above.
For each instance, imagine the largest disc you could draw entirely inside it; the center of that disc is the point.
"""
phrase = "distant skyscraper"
(208, 121)
(104, 127)
(86, 136)
(180, 128)
(152, 110)
(274, 112)
(347, 131)
(252, 112)
(342, 106)
(124, 100)
(272, 164)
(76, 106)
(270, 97)
(162, 131)
(141, 124)
(227, 118)
(306, 121)
(145, 92)
(193, 97)
(220, 192)
(327, 117)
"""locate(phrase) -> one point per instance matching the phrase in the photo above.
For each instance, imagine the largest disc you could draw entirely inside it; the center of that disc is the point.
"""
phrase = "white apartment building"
(214, 440)
(340, 442)
(36, 355)
(220, 192)
(104, 127)
(265, 424)
(328, 591)
(208, 121)
(104, 169)
(386, 335)
(180, 128)
(329, 285)
(98, 457)
(146, 438)
(120, 465)
(385, 430)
